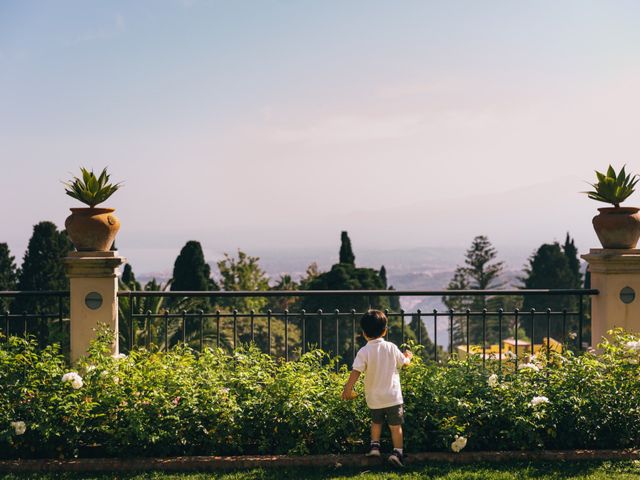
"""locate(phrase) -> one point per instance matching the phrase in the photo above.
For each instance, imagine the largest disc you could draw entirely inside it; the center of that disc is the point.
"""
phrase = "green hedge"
(184, 403)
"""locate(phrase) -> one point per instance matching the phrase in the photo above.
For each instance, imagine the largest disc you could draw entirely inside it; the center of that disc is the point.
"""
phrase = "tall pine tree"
(480, 272)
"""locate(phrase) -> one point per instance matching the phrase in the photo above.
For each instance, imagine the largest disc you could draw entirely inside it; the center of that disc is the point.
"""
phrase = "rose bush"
(182, 402)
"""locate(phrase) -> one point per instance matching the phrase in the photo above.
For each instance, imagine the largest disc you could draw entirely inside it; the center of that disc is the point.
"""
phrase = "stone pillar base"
(94, 300)
(615, 273)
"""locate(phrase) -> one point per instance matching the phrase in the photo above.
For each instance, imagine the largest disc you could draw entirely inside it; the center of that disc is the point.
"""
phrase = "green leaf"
(613, 188)
(90, 189)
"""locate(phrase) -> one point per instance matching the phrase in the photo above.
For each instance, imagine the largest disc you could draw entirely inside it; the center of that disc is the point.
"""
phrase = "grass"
(608, 470)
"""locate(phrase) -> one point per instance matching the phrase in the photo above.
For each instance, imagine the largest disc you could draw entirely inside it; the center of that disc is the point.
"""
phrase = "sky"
(275, 124)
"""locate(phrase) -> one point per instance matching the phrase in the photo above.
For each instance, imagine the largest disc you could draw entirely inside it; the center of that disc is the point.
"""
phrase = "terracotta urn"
(92, 229)
(618, 227)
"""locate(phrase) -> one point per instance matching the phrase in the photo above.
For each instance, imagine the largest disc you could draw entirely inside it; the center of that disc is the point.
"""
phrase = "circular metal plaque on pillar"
(93, 300)
(627, 295)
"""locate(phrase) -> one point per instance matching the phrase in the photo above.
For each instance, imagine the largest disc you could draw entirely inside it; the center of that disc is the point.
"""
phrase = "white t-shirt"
(380, 360)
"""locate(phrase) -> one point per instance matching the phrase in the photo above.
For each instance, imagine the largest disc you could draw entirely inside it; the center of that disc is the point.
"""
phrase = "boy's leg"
(374, 447)
(396, 419)
(396, 436)
(377, 418)
(376, 432)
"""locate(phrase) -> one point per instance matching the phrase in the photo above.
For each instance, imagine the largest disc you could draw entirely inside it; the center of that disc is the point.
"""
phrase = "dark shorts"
(393, 415)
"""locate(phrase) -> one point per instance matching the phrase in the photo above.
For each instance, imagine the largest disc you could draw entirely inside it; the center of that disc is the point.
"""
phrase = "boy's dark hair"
(373, 323)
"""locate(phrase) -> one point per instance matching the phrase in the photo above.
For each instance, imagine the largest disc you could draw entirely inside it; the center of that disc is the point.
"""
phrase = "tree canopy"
(346, 252)
(8, 274)
(190, 271)
(128, 278)
(43, 269)
(243, 273)
(551, 267)
(480, 271)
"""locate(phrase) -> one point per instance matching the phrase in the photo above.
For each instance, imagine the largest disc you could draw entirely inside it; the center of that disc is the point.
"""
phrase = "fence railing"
(281, 326)
(213, 318)
(43, 314)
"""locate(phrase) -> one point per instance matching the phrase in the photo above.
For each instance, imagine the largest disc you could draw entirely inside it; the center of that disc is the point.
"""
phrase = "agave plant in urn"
(617, 227)
(92, 229)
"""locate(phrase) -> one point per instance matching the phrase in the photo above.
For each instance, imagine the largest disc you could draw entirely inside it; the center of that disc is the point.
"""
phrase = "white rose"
(74, 379)
(531, 366)
(539, 400)
(635, 346)
(120, 356)
(493, 380)
(19, 427)
(458, 444)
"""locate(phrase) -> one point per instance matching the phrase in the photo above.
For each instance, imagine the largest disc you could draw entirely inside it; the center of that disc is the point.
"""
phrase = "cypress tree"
(383, 276)
(346, 253)
(345, 276)
(548, 268)
(571, 252)
(190, 271)
(43, 269)
(8, 274)
(128, 278)
(42, 266)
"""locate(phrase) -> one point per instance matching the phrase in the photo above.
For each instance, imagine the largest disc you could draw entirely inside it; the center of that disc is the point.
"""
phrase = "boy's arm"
(347, 392)
(407, 357)
(403, 359)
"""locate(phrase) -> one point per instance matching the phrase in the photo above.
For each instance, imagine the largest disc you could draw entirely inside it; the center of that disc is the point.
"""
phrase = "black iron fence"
(501, 324)
(494, 324)
(42, 314)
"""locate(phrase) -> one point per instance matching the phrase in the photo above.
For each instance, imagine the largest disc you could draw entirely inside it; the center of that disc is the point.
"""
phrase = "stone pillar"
(94, 300)
(616, 275)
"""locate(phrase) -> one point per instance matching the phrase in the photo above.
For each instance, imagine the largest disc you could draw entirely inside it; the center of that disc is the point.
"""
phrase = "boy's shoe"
(396, 459)
(374, 450)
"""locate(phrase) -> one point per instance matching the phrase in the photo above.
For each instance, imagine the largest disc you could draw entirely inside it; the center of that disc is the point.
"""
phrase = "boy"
(380, 360)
